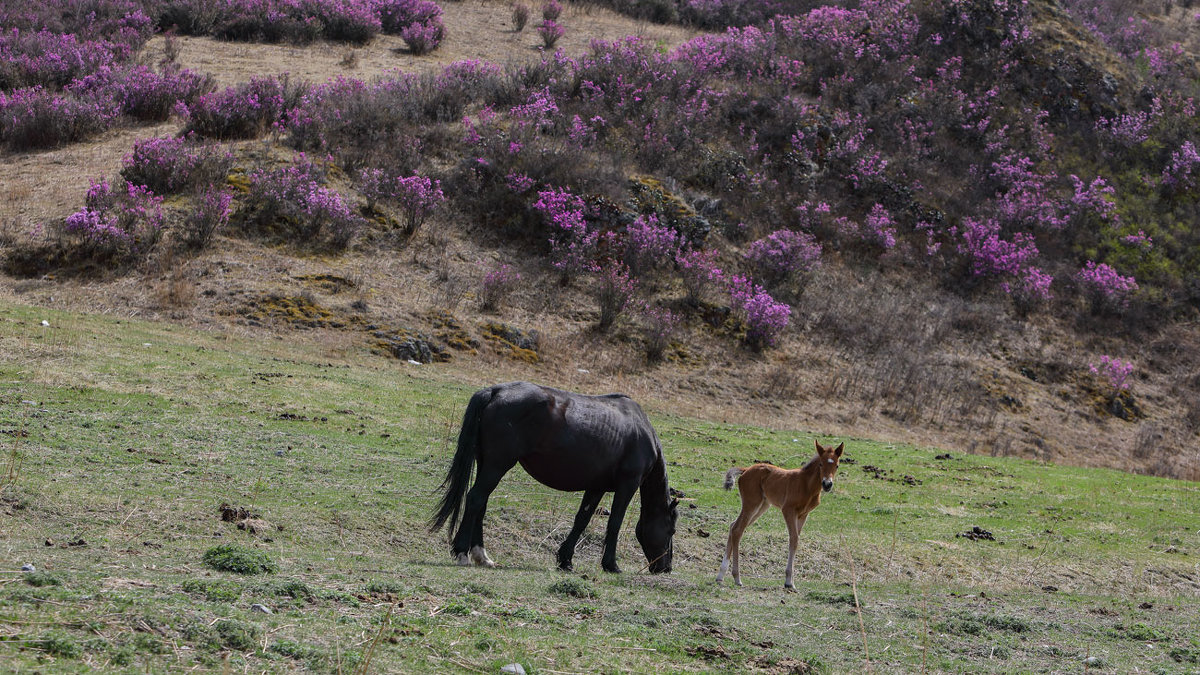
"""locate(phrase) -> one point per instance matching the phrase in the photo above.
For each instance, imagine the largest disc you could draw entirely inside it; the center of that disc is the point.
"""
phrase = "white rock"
(28, 567)
(45, 323)
(515, 668)
(260, 608)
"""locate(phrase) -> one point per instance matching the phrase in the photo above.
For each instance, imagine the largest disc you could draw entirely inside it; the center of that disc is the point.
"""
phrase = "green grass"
(125, 438)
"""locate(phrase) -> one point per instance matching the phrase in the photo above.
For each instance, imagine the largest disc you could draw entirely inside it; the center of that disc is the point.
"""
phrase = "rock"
(28, 567)
(515, 668)
(260, 608)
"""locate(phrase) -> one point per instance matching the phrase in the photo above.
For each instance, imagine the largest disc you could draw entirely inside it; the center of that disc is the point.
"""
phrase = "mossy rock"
(517, 344)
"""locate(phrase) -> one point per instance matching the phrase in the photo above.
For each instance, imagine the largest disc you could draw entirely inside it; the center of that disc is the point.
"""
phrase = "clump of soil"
(977, 533)
(246, 520)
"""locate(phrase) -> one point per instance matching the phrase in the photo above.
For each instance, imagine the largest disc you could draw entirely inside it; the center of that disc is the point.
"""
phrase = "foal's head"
(827, 459)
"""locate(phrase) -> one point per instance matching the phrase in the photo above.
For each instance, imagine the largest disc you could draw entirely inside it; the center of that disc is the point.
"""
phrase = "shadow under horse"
(567, 441)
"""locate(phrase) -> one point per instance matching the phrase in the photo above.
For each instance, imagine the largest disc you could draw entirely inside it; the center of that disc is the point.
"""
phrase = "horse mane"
(654, 485)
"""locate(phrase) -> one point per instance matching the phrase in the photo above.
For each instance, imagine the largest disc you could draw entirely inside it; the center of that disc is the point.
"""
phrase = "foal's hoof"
(612, 568)
(789, 588)
(462, 559)
(565, 565)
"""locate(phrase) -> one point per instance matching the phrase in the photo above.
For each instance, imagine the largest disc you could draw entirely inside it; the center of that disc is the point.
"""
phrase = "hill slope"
(927, 161)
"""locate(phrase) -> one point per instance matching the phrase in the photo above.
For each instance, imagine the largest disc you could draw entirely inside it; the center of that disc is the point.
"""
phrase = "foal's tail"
(732, 475)
(459, 476)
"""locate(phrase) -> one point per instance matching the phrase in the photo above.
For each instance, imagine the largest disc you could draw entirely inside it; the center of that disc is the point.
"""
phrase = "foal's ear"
(837, 452)
(820, 450)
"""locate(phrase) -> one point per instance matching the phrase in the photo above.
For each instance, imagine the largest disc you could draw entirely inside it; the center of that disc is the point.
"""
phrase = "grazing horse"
(795, 491)
(567, 441)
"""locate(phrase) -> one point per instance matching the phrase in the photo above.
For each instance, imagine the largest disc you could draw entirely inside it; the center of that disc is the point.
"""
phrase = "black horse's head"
(655, 531)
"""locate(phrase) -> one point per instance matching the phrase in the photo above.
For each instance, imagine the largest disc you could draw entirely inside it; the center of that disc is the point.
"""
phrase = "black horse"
(567, 441)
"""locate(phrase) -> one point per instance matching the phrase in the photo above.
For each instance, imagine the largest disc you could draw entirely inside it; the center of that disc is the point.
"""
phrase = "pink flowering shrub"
(117, 223)
(550, 31)
(245, 111)
(167, 165)
(37, 118)
(1030, 291)
(292, 203)
(209, 214)
(699, 273)
(573, 243)
(1115, 372)
(765, 318)
(498, 283)
(551, 10)
(297, 21)
(417, 197)
(784, 256)
(659, 327)
(417, 22)
(1178, 174)
(1104, 287)
(423, 37)
(613, 289)
(648, 245)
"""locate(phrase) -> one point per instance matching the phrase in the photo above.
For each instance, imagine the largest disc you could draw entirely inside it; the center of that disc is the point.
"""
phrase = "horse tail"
(458, 477)
(731, 475)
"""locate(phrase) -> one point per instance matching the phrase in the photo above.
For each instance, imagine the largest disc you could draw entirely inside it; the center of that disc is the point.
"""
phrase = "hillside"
(961, 252)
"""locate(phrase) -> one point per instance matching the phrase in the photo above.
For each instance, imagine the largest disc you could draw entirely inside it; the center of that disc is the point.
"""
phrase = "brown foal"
(795, 491)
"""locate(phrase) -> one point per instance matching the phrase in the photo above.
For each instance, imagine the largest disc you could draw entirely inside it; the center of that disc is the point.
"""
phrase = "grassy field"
(122, 440)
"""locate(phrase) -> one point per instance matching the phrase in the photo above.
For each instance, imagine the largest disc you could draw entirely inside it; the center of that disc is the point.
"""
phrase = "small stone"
(45, 323)
(1093, 661)
(515, 668)
(28, 567)
(260, 608)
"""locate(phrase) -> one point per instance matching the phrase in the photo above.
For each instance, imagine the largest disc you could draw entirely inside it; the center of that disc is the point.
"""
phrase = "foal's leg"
(620, 502)
(750, 513)
(566, 552)
(795, 523)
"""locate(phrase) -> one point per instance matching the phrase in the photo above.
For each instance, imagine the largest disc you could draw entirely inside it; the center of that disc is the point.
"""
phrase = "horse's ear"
(837, 452)
(820, 450)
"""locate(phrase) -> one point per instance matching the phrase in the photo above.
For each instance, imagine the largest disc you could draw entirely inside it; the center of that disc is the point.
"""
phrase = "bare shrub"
(520, 16)
(1148, 441)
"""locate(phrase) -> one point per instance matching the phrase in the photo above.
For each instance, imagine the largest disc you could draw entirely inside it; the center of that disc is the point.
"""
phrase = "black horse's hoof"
(611, 568)
(565, 565)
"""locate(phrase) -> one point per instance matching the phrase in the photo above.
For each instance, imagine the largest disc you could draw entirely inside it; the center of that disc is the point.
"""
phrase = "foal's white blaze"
(829, 460)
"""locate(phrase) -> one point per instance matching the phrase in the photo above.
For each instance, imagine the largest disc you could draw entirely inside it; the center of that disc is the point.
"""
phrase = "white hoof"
(480, 557)
(463, 560)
